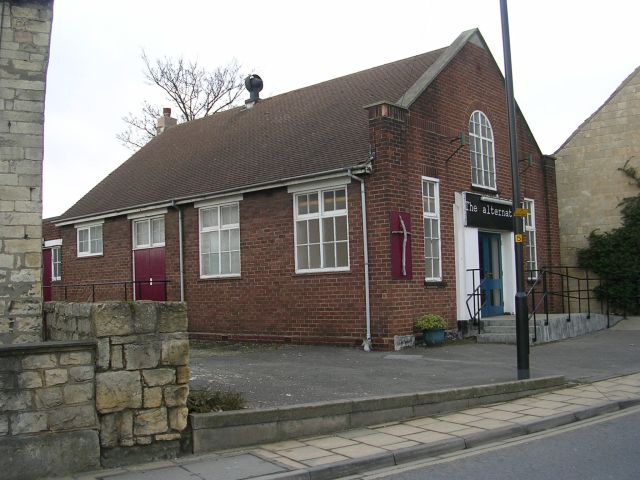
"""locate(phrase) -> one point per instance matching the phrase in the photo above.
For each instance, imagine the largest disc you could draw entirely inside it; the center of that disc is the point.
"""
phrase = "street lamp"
(522, 320)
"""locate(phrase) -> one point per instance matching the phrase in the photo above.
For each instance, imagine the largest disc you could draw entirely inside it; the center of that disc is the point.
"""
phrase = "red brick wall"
(270, 302)
(424, 143)
(49, 229)
(114, 265)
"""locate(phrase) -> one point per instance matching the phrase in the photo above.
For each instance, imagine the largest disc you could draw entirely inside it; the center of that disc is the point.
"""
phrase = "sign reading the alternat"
(485, 212)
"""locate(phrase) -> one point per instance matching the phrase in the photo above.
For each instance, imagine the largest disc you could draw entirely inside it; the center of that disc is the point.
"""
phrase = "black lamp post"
(522, 320)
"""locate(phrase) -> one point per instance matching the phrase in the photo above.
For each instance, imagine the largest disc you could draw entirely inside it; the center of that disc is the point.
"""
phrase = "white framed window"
(148, 233)
(89, 240)
(321, 230)
(220, 241)
(431, 217)
(529, 229)
(56, 264)
(481, 147)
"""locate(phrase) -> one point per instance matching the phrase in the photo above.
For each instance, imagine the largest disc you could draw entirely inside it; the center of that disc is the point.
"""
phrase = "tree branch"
(192, 90)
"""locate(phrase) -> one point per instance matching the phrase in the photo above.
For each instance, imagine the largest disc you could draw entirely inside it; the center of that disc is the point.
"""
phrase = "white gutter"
(366, 343)
(208, 196)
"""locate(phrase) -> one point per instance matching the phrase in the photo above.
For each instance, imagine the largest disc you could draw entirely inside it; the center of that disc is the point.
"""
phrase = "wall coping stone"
(45, 347)
(371, 404)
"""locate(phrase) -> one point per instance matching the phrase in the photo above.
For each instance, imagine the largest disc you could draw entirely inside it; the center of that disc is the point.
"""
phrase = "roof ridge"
(413, 92)
(606, 102)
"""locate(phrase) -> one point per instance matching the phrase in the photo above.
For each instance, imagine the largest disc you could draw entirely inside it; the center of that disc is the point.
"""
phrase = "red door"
(149, 268)
(46, 274)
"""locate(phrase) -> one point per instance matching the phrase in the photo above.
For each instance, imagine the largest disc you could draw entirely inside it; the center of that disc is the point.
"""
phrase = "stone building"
(335, 213)
(24, 54)
(590, 184)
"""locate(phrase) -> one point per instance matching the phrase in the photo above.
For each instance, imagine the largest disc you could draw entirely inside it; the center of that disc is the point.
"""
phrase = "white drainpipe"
(367, 341)
(180, 247)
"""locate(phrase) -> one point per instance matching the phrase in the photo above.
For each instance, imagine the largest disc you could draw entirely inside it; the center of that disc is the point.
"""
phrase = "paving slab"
(327, 456)
(235, 467)
(170, 473)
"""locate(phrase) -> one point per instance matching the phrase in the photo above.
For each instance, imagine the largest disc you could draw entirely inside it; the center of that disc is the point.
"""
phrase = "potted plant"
(432, 327)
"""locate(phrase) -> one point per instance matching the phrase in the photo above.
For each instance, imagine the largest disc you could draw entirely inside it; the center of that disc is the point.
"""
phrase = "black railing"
(132, 287)
(574, 290)
(477, 296)
(565, 290)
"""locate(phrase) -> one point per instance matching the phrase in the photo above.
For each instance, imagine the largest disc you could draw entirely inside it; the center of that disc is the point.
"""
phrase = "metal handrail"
(93, 285)
(574, 288)
(478, 303)
(540, 276)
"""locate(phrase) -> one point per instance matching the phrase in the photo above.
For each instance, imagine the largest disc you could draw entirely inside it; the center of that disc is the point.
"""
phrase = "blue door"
(489, 247)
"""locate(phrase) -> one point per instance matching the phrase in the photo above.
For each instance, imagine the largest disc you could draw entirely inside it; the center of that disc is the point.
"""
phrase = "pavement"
(606, 365)
(354, 451)
(272, 376)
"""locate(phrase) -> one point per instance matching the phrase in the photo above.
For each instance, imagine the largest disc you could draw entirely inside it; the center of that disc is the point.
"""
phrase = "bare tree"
(192, 90)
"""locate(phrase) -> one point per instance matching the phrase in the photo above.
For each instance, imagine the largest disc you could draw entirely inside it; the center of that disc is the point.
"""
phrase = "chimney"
(165, 121)
(253, 83)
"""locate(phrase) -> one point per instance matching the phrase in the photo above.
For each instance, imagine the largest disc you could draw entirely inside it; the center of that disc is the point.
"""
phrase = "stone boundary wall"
(142, 373)
(48, 420)
(25, 29)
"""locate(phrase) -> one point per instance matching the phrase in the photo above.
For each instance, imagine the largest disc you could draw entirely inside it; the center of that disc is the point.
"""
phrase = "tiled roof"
(308, 131)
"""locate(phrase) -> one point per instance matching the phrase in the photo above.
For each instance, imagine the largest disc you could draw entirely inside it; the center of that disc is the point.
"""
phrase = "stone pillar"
(24, 54)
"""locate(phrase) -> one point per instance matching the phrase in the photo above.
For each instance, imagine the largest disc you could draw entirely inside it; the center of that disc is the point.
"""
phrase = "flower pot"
(433, 338)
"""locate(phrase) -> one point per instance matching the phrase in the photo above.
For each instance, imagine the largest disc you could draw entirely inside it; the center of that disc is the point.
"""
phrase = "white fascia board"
(89, 223)
(212, 202)
(148, 213)
(52, 243)
(100, 218)
(319, 183)
(341, 172)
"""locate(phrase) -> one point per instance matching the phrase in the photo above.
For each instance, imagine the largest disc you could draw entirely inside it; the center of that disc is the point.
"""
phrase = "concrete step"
(508, 338)
(499, 322)
(501, 329)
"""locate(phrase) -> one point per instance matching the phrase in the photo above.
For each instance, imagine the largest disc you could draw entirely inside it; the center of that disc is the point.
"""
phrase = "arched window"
(483, 164)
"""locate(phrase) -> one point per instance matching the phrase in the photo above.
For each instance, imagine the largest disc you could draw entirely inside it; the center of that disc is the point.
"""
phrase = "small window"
(220, 241)
(530, 235)
(90, 240)
(483, 165)
(148, 233)
(431, 217)
(321, 231)
(56, 264)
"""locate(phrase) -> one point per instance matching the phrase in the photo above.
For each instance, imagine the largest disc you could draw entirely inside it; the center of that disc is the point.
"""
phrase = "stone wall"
(47, 409)
(142, 372)
(24, 54)
(590, 186)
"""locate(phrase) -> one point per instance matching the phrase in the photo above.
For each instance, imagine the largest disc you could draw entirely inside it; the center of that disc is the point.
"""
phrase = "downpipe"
(366, 343)
(180, 248)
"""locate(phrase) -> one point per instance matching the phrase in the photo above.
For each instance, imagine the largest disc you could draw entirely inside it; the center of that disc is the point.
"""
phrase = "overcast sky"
(568, 56)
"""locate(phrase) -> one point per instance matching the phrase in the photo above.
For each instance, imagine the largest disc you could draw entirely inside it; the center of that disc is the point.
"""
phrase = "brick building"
(255, 215)
(590, 184)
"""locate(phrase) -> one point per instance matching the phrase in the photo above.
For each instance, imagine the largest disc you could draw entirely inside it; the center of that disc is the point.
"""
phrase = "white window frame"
(56, 259)
(88, 228)
(149, 222)
(485, 159)
(529, 228)
(435, 215)
(320, 215)
(218, 228)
